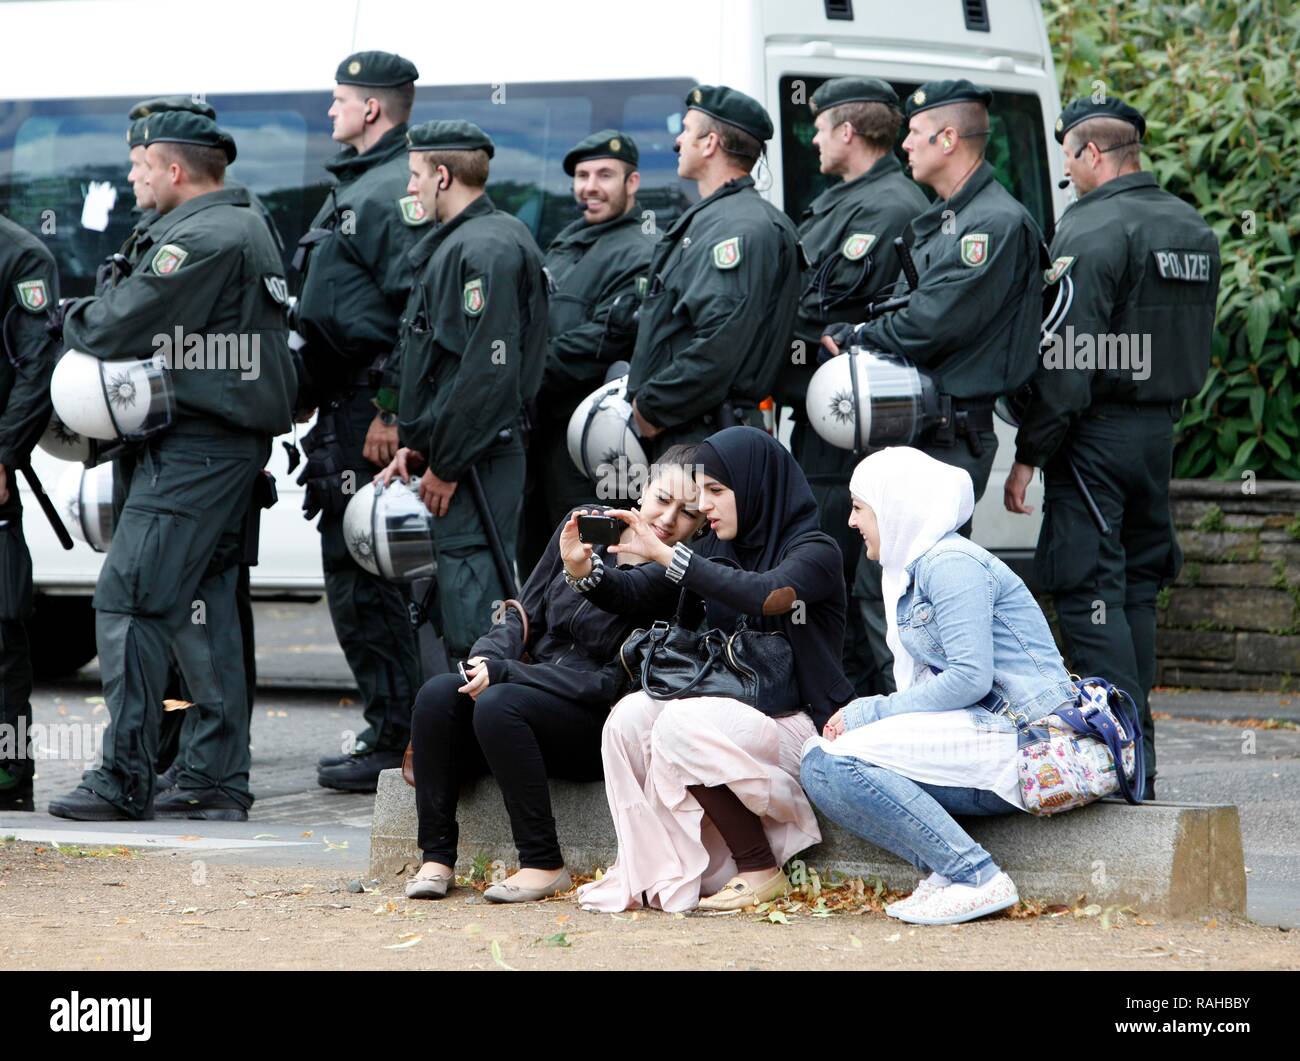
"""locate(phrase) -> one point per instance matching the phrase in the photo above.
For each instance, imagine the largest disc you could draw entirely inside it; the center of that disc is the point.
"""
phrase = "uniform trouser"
(469, 591)
(555, 484)
(868, 596)
(16, 765)
(187, 499)
(370, 614)
(1104, 587)
(829, 469)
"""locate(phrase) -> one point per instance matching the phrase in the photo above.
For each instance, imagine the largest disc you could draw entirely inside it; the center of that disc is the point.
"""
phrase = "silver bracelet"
(589, 580)
(681, 558)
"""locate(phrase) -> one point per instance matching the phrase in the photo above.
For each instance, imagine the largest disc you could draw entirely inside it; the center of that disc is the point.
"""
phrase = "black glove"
(623, 315)
(842, 335)
(54, 320)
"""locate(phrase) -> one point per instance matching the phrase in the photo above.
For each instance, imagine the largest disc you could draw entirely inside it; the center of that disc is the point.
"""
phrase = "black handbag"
(671, 662)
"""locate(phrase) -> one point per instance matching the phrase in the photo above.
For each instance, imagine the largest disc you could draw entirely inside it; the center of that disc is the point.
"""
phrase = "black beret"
(185, 127)
(733, 107)
(376, 70)
(171, 103)
(135, 132)
(942, 93)
(448, 135)
(1080, 110)
(608, 143)
(853, 90)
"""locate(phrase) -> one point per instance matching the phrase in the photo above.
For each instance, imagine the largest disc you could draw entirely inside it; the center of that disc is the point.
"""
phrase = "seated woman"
(525, 720)
(965, 633)
(704, 791)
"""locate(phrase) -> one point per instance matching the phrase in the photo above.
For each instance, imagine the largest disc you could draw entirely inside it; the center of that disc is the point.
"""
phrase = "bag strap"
(699, 676)
(1097, 723)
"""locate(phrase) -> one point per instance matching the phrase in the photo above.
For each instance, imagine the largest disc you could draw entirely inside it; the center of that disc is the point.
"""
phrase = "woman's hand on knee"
(834, 725)
(476, 668)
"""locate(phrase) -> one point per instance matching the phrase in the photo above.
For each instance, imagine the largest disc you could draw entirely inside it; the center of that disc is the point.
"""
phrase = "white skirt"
(945, 748)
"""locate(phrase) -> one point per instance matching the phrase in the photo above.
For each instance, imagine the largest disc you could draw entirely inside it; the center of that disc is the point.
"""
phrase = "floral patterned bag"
(1068, 758)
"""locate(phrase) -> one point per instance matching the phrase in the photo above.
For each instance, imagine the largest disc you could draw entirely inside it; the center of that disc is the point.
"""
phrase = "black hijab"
(774, 503)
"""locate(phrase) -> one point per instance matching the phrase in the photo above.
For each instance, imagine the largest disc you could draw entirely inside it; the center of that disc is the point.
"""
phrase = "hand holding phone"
(599, 530)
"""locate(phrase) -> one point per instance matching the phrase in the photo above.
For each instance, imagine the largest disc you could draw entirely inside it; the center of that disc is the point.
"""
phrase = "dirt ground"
(115, 908)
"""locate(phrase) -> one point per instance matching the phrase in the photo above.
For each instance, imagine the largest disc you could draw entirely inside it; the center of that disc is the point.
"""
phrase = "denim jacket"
(969, 616)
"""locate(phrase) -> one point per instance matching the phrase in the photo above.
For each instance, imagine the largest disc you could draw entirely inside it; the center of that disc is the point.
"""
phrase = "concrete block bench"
(1174, 859)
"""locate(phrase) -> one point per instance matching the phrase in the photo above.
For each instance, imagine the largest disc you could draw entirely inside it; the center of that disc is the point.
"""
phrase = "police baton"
(505, 572)
(47, 506)
(1089, 502)
(909, 266)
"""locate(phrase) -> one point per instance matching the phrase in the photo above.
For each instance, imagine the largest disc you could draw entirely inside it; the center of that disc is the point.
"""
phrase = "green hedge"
(1219, 85)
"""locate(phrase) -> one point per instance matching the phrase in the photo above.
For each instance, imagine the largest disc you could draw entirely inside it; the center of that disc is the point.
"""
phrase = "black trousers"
(521, 736)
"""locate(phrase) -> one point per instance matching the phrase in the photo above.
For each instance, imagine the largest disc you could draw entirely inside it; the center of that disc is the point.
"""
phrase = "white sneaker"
(932, 883)
(961, 902)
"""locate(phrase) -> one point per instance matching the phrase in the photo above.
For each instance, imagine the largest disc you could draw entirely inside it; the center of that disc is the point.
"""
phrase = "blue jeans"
(911, 819)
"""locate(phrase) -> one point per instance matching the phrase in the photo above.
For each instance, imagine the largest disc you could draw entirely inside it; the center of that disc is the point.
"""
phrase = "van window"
(1017, 148)
(52, 150)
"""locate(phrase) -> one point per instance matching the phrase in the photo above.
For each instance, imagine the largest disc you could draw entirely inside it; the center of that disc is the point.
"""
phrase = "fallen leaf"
(190, 837)
(563, 919)
(1091, 910)
(894, 938)
(264, 836)
(331, 845)
(190, 910)
(857, 943)
(402, 946)
(472, 930)
(306, 835)
(778, 918)
(557, 940)
(496, 956)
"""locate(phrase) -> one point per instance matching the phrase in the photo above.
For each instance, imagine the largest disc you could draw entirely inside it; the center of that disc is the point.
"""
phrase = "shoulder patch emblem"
(168, 259)
(726, 255)
(278, 287)
(473, 298)
(413, 212)
(1059, 268)
(857, 245)
(32, 295)
(975, 248)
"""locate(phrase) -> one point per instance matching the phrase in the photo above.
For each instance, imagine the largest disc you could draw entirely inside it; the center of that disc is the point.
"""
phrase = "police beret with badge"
(448, 135)
(942, 93)
(186, 127)
(172, 103)
(733, 107)
(1085, 108)
(376, 70)
(840, 90)
(608, 143)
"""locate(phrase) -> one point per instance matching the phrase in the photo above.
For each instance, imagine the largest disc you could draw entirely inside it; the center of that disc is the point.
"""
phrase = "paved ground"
(305, 709)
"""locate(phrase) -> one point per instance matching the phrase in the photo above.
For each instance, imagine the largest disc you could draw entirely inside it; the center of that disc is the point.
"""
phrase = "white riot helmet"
(864, 400)
(84, 498)
(601, 432)
(62, 442)
(389, 531)
(128, 400)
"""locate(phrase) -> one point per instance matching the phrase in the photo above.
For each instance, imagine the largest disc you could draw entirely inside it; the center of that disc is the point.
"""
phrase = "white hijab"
(917, 501)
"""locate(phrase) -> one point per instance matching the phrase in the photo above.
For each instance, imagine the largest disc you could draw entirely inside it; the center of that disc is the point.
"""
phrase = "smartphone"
(599, 530)
(464, 678)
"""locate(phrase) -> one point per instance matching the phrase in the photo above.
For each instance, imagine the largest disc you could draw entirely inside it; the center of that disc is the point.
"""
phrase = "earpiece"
(947, 142)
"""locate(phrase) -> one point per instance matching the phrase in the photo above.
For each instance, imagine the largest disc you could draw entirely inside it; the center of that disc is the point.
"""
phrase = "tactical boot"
(83, 805)
(359, 773)
(206, 804)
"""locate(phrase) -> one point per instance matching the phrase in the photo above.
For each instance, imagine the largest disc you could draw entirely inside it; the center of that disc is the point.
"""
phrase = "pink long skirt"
(667, 848)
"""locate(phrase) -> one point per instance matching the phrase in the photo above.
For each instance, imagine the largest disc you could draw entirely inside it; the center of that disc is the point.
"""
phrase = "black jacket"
(572, 644)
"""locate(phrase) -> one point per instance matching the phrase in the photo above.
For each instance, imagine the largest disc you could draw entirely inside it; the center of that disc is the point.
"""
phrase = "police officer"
(1145, 270)
(29, 288)
(597, 266)
(356, 281)
(848, 235)
(471, 355)
(724, 284)
(209, 268)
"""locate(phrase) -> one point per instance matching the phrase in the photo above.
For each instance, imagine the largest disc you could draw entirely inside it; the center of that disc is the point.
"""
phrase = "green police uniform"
(848, 235)
(1145, 268)
(357, 278)
(471, 356)
(718, 312)
(213, 280)
(974, 321)
(29, 286)
(597, 274)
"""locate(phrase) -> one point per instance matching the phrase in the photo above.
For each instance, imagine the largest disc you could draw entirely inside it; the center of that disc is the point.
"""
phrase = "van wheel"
(62, 636)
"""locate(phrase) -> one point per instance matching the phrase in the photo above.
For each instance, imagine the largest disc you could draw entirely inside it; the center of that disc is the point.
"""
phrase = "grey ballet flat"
(428, 887)
(511, 893)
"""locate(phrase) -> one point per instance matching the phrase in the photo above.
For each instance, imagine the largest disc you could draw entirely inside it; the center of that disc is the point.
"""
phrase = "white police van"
(537, 77)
